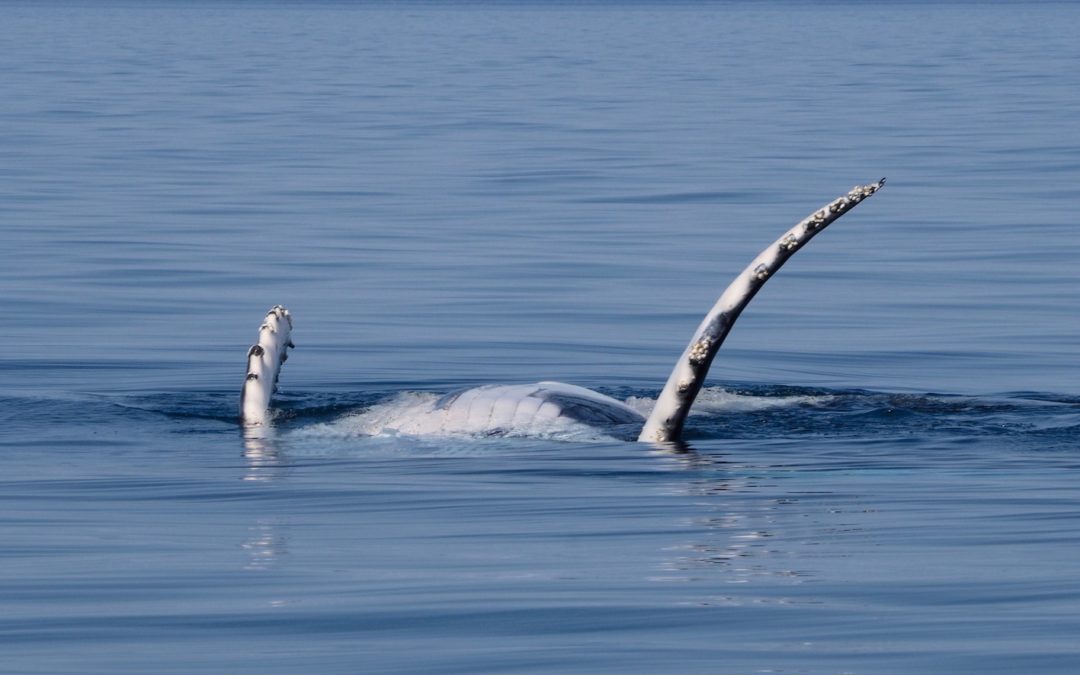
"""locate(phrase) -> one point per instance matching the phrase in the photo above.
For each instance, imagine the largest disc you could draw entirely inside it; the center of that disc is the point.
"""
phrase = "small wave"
(719, 399)
(713, 400)
(395, 416)
(340, 419)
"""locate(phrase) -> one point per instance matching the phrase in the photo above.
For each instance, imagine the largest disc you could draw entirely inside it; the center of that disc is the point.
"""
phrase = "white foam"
(395, 416)
(713, 400)
(718, 399)
(414, 414)
(641, 404)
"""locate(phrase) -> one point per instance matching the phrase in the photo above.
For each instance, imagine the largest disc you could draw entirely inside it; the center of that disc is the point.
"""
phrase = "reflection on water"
(263, 456)
(266, 542)
(744, 534)
(265, 545)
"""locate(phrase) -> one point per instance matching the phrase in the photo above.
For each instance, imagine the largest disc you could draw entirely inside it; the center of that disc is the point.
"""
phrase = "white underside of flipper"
(665, 423)
(264, 366)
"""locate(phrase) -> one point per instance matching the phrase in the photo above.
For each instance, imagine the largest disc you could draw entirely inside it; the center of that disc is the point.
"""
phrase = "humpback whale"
(491, 408)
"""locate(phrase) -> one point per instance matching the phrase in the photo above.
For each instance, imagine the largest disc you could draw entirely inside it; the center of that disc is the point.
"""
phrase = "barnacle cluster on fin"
(264, 362)
(842, 205)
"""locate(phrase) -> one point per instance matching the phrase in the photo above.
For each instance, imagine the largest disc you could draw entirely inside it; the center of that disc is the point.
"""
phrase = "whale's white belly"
(507, 409)
(515, 405)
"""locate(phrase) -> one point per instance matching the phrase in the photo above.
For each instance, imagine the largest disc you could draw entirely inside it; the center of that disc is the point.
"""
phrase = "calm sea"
(882, 475)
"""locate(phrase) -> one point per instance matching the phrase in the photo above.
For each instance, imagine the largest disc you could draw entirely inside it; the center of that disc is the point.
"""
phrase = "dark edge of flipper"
(264, 366)
(665, 424)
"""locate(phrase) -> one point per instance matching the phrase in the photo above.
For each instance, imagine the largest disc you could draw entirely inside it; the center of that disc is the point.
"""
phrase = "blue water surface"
(880, 476)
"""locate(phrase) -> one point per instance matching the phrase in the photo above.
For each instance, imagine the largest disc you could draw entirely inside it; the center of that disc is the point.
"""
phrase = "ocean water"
(882, 475)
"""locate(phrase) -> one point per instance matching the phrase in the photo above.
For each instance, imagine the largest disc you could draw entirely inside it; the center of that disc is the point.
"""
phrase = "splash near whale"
(494, 409)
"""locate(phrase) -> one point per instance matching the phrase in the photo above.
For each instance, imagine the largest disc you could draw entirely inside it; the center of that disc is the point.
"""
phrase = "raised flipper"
(667, 418)
(264, 365)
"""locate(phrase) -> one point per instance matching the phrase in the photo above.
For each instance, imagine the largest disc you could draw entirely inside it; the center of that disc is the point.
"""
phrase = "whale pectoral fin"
(264, 366)
(665, 424)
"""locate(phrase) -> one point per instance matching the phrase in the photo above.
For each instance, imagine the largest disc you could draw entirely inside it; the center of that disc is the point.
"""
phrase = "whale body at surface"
(503, 408)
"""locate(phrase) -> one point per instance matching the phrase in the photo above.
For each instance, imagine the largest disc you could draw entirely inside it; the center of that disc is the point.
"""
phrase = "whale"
(492, 409)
